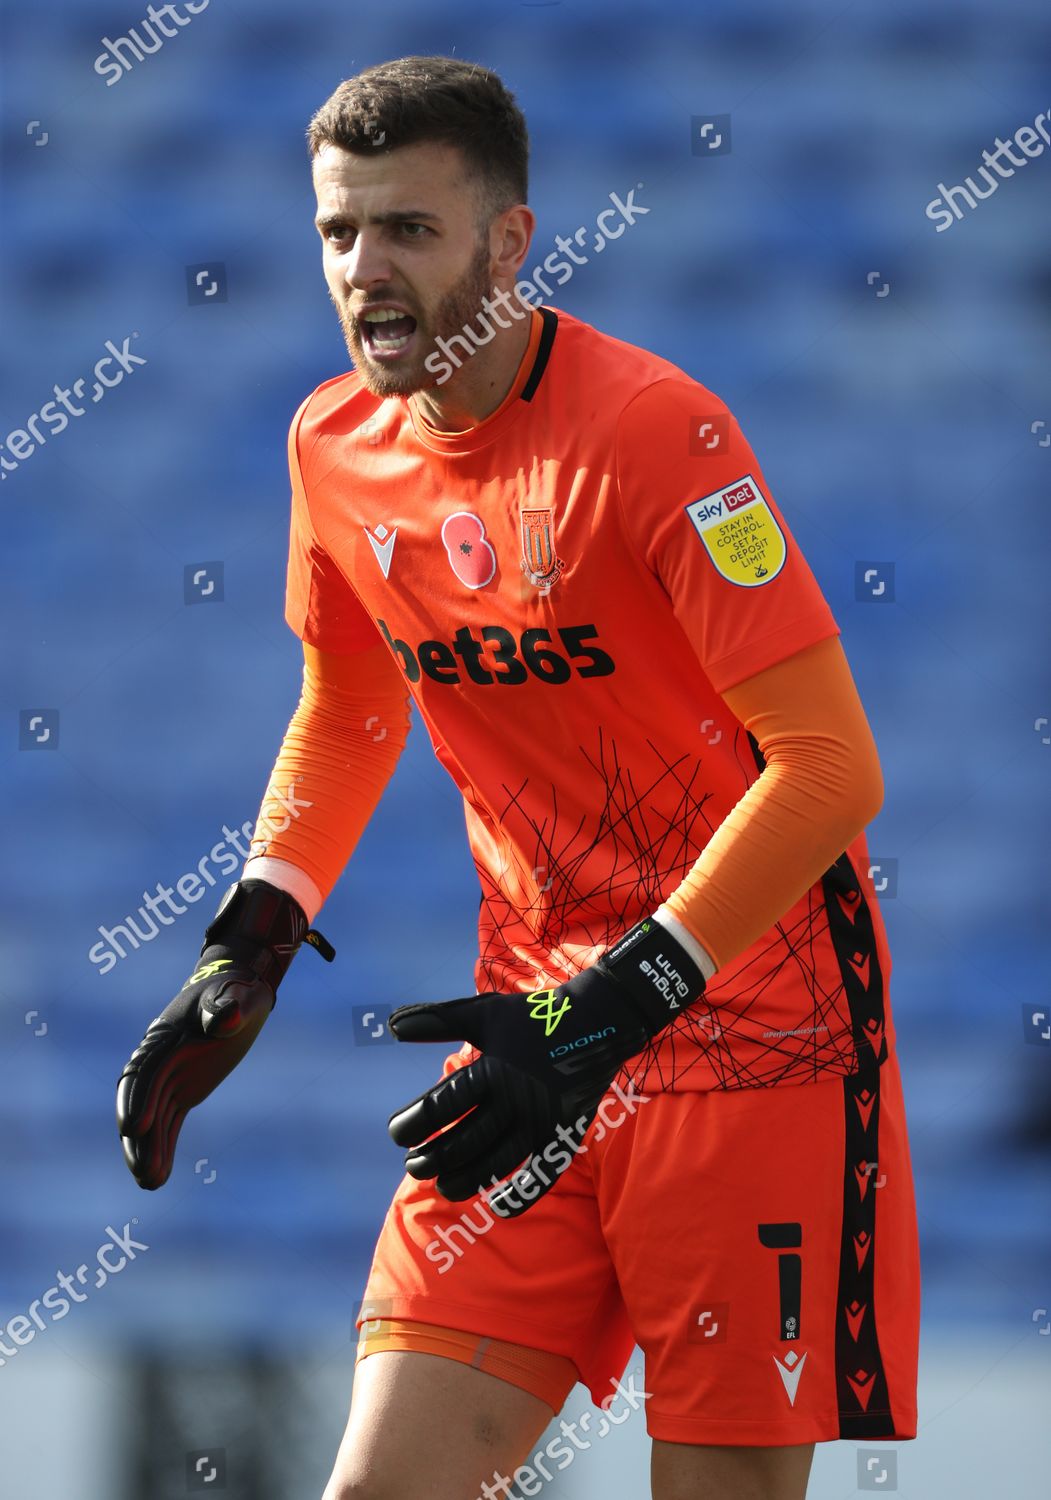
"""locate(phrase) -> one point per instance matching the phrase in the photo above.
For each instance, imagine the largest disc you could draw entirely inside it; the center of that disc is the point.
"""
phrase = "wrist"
(685, 938)
(659, 975)
(285, 876)
(260, 927)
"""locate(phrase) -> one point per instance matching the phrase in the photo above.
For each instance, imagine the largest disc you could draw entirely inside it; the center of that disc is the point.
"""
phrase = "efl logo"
(741, 494)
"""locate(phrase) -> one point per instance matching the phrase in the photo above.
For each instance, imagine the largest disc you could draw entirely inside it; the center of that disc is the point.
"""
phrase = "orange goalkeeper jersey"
(568, 587)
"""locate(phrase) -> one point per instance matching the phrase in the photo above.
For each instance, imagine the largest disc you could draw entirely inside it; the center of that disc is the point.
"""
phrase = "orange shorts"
(759, 1245)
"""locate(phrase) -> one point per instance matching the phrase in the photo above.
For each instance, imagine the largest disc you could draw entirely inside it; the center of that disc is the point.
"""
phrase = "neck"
(480, 384)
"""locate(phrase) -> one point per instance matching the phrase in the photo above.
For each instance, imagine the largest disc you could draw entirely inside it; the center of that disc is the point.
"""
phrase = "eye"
(423, 230)
(334, 232)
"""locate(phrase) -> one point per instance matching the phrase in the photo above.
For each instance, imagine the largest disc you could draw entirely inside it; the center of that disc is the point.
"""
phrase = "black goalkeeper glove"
(547, 1059)
(210, 1025)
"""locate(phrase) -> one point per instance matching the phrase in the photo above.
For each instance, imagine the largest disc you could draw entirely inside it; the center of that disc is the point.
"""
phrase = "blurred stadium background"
(893, 380)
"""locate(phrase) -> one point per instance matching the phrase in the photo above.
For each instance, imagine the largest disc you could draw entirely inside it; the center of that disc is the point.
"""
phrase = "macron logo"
(382, 542)
(790, 1372)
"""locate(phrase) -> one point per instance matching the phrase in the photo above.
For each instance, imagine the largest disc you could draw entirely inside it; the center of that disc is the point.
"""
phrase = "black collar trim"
(543, 353)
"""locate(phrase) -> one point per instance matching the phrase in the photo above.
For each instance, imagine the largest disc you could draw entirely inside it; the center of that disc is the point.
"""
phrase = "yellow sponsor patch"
(740, 533)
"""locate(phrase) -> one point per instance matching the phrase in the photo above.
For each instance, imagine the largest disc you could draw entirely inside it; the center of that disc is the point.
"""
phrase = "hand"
(186, 1052)
(206, 1030)
(547, 1059)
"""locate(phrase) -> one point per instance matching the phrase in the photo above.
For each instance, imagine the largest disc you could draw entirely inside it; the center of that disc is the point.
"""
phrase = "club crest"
(539, 562)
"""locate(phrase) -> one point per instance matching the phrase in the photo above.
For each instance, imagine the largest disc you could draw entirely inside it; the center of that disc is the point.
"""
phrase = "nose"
(367, 263)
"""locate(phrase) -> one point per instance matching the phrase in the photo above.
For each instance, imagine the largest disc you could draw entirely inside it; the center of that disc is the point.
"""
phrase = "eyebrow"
(395, 216)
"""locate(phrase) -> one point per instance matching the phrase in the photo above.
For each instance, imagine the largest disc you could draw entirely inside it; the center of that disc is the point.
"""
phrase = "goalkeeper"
(564, 551)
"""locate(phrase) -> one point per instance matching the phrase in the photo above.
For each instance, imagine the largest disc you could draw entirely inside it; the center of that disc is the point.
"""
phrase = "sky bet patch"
(740, 533)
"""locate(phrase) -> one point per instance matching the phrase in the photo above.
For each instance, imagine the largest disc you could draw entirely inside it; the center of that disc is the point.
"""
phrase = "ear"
(510, 235)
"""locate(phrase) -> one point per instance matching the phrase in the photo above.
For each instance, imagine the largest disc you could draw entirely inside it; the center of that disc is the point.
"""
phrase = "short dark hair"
(440, 99)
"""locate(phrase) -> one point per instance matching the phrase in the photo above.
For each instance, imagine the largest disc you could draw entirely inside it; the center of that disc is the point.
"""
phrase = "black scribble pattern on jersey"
(651, 836)
(646, 849)
(733, 1042)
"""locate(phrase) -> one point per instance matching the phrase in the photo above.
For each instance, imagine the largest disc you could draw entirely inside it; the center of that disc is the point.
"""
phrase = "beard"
(456, 309)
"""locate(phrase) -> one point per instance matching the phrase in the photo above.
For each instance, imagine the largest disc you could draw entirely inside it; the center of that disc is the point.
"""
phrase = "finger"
(469, 1141)
(235, 1007)
(146, 1158)
(441, 1021)
(168, 1062)
(483, 1174)
(130, 1094)
(439, 1106)
(523, 1189)
(180, 1094)
(139, 1084)
(134, 1155)
(150, 1154)
(151, 1110)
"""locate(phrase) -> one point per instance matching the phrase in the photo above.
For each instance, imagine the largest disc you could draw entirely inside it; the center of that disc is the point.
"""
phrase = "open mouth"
(386, 332)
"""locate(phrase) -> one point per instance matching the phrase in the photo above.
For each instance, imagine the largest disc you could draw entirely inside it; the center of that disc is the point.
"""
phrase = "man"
(680, 1122)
